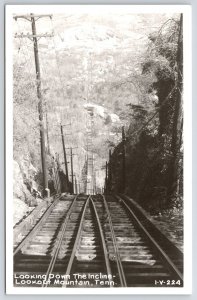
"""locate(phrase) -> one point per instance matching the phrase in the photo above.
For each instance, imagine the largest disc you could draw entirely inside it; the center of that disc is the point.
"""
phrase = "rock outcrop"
(24, 186)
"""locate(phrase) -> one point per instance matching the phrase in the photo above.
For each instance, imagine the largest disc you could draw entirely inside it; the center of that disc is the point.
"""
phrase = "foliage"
(124, 74)
(153, 168)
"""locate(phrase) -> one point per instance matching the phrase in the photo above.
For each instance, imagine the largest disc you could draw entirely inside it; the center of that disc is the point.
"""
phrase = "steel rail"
(62, 230)
(107, 262)
(165, 257)
(118, 259)
(36, 227)
(68, 270)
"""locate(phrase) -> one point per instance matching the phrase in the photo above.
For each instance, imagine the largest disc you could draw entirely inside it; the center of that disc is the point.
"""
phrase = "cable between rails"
(117, 254)
(69, 266)
(107, 262)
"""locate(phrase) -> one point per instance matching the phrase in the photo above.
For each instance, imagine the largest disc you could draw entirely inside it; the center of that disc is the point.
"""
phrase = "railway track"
(142, 261)
(95, 241)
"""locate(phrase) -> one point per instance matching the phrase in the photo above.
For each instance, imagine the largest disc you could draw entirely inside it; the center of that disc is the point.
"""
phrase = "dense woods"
(129, 70)
(153, 145)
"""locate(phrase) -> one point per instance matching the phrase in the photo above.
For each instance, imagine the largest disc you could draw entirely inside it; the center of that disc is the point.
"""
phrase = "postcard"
(98, 149)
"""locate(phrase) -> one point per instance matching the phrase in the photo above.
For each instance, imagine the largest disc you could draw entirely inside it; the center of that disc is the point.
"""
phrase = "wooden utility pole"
(58, 170)
(72, 175)
(109, 172)
(106, 177)
(71, 165)
(76, 189)
(65, 158)
(34, 37)
(123, 161)
(95, 182)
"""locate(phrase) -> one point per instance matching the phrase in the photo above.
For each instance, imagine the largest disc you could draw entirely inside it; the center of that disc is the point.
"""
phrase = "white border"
(93, 9)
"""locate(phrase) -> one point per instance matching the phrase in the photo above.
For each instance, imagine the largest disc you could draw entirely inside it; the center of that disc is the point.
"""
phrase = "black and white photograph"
(98, 106)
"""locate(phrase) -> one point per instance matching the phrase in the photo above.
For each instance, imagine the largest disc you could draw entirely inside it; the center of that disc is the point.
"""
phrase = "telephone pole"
(72, 175)
(34, 37)
(106, 177)
(71, 165)
(123, 161)
(76, 188)
(109, 172)
(65, 158)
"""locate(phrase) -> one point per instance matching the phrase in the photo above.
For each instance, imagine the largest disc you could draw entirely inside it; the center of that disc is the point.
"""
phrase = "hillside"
(92, 60)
